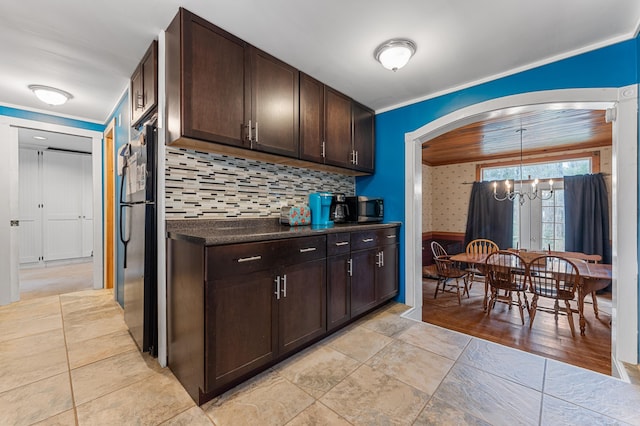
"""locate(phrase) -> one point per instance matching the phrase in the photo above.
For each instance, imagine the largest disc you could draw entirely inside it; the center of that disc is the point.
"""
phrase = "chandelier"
(520, 194)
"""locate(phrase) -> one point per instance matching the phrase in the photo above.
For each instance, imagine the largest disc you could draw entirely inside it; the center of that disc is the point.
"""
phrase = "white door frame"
(624, 198)
(9, 204)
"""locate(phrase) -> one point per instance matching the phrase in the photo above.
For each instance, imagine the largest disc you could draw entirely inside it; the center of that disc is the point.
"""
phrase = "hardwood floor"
(547, 337)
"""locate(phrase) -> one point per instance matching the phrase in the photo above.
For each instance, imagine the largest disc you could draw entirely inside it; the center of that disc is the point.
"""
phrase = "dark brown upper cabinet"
(224, 94)
(220, 89)
(334, 129)
(273, 124)
(337, 128)
(144, 86)
(363, 120)
(312, 143)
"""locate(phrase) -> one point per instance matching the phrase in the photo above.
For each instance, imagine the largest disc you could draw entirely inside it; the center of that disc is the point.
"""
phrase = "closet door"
(29, 192)
(62, 193)
(87, 206)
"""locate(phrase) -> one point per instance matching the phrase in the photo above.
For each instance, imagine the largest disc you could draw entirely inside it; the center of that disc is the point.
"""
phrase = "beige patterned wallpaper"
(446, 191)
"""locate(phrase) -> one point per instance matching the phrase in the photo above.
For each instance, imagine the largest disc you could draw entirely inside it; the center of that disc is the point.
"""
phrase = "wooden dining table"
(593, 277)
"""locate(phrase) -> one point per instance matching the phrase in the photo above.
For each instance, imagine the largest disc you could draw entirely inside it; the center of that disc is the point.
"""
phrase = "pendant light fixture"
(394, 54)
(520, 194)
(50, 95)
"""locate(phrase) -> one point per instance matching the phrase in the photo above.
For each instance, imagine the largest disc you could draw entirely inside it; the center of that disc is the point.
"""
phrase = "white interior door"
(30, 229)
(87, 206)
(62, 190)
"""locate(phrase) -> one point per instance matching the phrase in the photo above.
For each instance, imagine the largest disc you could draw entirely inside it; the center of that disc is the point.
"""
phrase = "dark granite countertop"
(228, 231)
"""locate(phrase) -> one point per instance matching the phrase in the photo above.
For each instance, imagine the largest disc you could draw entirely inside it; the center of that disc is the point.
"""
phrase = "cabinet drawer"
(299, 250)
(388, 236)
(363, 240)
(244, 258)
(238, 259)
(338, 243)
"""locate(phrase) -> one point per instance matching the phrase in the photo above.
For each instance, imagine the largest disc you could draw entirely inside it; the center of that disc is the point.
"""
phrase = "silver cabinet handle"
(350, 267)
(256, 132)
(367, 240)
(342, 243)
(249, 259)
(284, 285)
(379, 261)
(356, 158)
(323, 151)
(139, 101)
(277, 292)
(382, 259)
(391, 236)
(249, 131)
(307, 250)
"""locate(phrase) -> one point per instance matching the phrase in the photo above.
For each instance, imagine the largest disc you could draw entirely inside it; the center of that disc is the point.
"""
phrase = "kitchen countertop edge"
(221, 232)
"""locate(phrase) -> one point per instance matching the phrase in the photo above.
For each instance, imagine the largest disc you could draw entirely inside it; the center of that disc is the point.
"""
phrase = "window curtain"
(489, 218)
(586, 210)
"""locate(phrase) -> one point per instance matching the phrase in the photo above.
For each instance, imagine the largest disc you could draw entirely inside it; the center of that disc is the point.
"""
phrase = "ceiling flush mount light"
(50, 95)
(394, 54)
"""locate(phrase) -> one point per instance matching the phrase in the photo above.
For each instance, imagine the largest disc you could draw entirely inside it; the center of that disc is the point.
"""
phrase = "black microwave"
(365, 209)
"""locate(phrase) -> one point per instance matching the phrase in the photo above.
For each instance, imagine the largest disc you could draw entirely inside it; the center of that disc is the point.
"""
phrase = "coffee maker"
(339, 211)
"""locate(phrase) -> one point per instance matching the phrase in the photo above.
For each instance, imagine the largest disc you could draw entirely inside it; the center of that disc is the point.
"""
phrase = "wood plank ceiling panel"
(546, 131)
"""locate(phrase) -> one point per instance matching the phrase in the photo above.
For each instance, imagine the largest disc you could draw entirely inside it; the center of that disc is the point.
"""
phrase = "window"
(539, 224)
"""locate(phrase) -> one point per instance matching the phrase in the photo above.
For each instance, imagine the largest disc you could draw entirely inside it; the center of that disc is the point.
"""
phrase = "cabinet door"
(239, 329)
(311, 119)
(338, 290)
(387, 273)
(213, 83)
(337, 127)
(301, 307)
(137, 95)
(363, 138)
(150, 78)
(274, 105)
(363, 289)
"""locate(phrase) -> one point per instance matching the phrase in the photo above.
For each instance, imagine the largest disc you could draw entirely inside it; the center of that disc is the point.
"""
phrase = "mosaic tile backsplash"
(213, 186)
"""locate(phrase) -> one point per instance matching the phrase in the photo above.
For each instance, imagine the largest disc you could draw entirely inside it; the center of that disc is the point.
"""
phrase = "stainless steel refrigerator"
(137, 228)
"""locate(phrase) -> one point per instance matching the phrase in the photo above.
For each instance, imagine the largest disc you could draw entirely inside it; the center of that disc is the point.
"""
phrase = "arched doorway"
(624, 230)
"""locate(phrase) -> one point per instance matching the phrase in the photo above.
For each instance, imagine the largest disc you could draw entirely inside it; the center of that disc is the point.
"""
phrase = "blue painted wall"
(121, 137)
(52, 119)
(612, 66)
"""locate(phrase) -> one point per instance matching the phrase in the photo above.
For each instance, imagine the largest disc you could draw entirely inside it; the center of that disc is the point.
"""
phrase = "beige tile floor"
(68, 360)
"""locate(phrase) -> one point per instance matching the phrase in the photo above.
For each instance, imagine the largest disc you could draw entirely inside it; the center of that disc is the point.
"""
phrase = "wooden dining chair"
(553, 277)
(449, 273)
(576, 256)
(506, 270)
(431, 271)
(437, 249)
(479, 246)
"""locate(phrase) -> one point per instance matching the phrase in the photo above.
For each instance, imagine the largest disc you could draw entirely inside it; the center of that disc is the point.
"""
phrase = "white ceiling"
(90, 48)
(27, 139)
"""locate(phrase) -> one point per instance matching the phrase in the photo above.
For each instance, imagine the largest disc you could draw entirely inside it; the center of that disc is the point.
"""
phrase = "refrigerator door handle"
(124, 238)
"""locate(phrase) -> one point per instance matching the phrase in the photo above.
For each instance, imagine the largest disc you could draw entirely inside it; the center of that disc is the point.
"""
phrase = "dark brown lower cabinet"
(363, 289)
(338, 290)
(234, 310)
(249, 305)
(387, 273)
(240, 319)
(301, 306)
